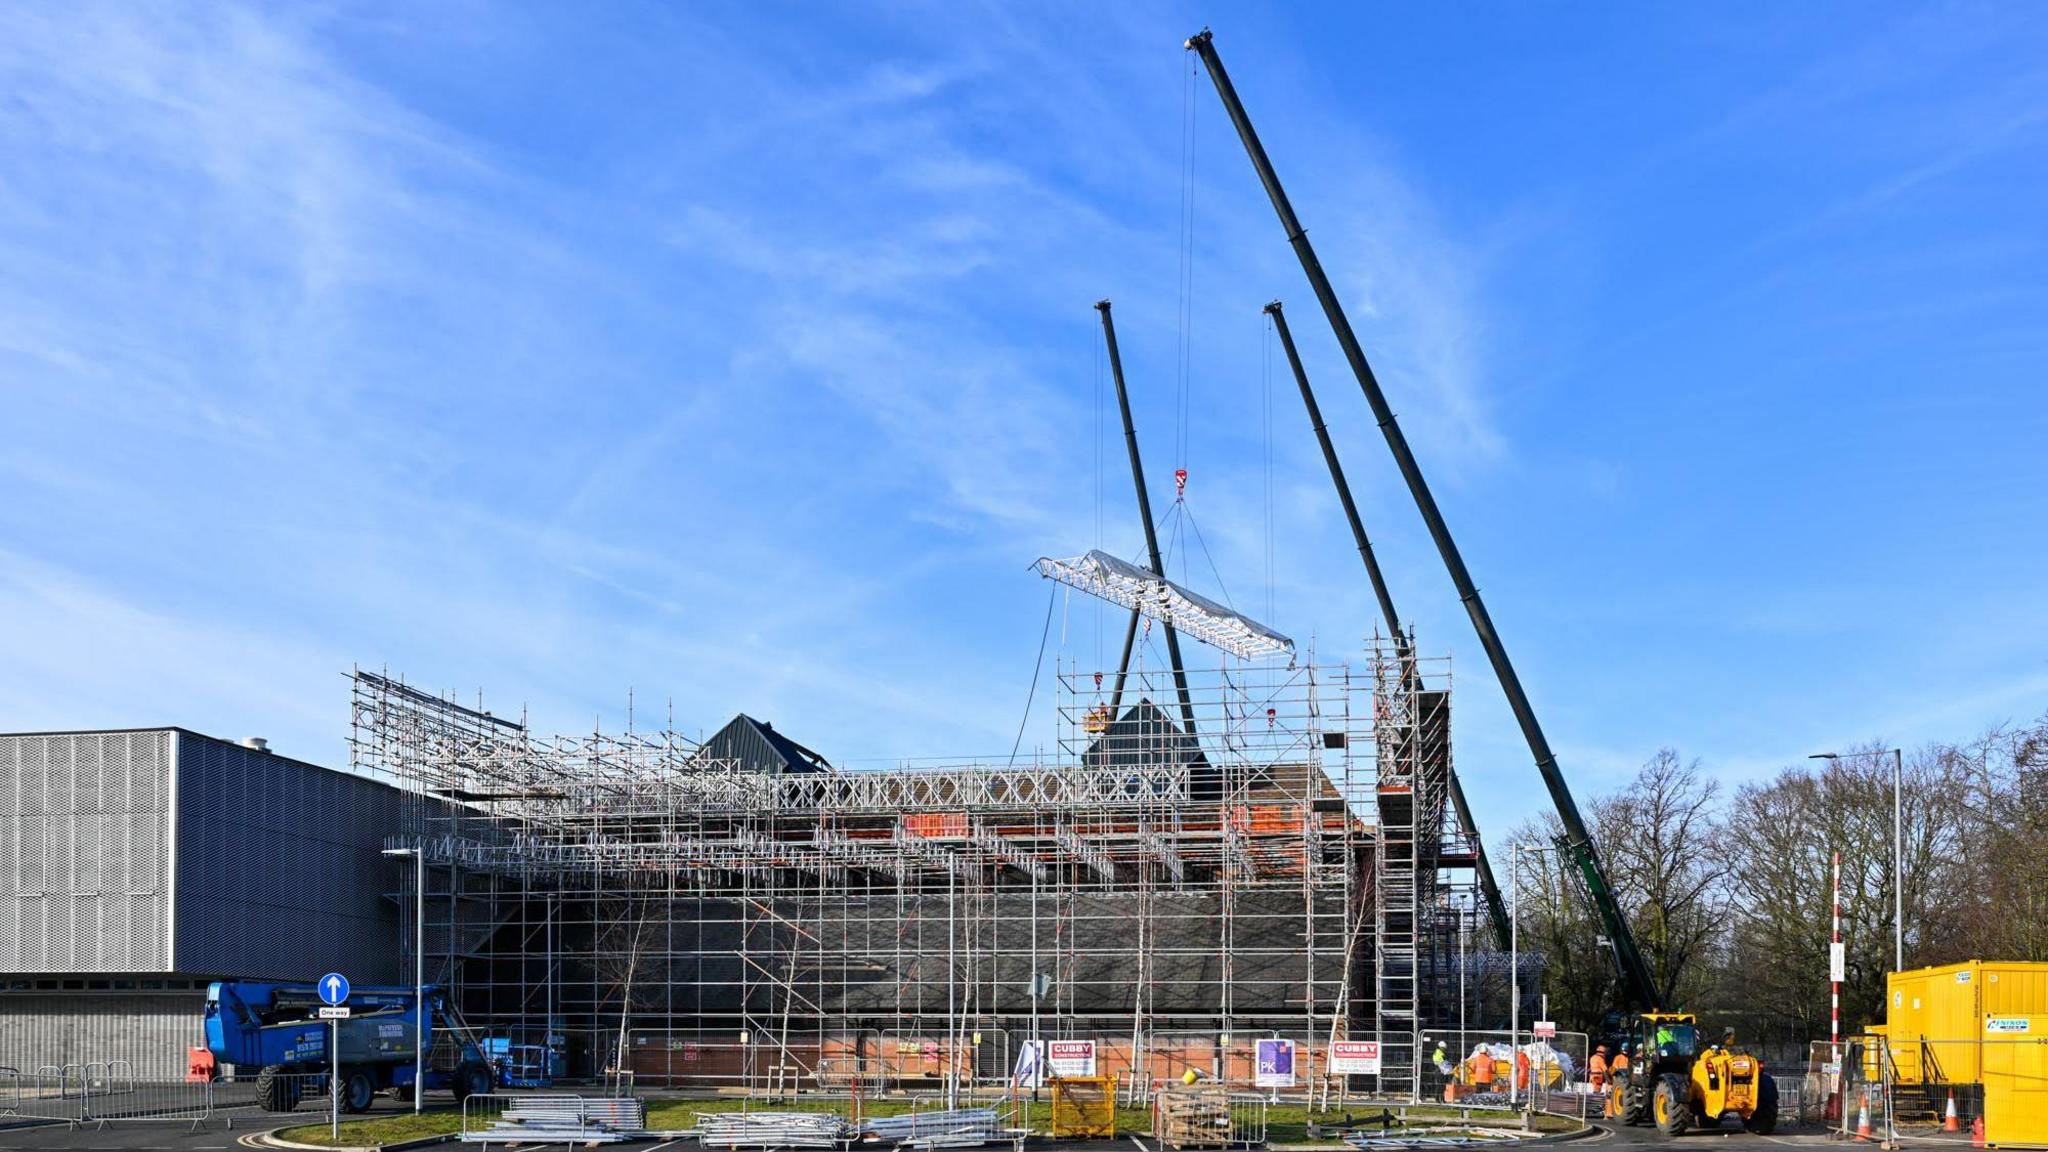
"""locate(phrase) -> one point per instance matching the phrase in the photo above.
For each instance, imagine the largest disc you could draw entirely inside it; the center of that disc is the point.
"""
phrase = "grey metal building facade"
(135, 866)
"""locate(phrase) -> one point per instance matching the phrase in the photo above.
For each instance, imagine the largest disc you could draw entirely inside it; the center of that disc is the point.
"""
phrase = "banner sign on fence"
(2007, 1024)
(1030, 1070)
(1544, 1029)
(1070, 1057)
(1275, 1067)
(1355, 1057)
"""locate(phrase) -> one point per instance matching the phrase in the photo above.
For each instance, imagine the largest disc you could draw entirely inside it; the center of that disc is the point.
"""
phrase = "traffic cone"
(1863, 1120)
(1949, 1122)
(1977, 1132)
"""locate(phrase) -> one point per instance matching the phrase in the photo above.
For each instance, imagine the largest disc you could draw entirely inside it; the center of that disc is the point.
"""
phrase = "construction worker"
(1521, 1070)
(1596, 1068)
(1441, 1058)
(1482, 1071)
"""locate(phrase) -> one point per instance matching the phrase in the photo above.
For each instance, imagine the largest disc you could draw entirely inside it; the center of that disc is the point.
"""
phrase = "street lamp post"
(1515, 964)
(1898, 860)
(1898, 852)
(419, 972)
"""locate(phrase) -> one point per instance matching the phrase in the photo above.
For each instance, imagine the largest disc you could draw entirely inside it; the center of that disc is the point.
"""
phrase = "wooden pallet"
(1195, 1116)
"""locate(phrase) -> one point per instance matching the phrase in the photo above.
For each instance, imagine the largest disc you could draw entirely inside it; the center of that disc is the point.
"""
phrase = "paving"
(141, 1136)
(168, 1137)
(226, 1130)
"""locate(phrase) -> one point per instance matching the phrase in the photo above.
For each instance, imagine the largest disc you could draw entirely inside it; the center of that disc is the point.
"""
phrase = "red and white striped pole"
(1834, 976)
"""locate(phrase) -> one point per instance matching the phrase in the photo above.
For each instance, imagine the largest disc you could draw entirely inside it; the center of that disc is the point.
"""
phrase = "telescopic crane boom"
(1578, 840)
(1496, 910)
(1123, 405)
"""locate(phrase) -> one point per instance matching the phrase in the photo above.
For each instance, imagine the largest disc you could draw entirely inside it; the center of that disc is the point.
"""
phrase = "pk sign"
(333, 988)
(1273, 1064)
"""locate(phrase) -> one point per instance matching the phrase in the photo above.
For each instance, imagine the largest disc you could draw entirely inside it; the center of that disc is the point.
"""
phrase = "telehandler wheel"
(1764, 1120)
(1635, 1100)
(276, 1089)
(358, 1091)
(1673, 1111)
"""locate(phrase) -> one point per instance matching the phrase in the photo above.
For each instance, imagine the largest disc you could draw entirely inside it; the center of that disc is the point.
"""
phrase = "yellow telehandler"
(1673, 1082)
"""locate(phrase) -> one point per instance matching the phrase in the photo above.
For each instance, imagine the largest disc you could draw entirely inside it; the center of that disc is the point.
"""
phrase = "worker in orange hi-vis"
(1596, 1069)
(1521, 1071)
(1482, 1071)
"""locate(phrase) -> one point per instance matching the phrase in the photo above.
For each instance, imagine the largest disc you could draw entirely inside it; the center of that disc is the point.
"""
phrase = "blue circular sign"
(333, 988)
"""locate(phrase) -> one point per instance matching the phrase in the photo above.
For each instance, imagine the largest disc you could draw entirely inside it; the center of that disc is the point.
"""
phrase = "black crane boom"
(1123, 404)
(1578, 840)
(1496, 910)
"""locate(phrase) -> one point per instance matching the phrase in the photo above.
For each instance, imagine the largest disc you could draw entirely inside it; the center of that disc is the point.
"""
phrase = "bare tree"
(1659, 838)
(1669, 861)
(1730, 902)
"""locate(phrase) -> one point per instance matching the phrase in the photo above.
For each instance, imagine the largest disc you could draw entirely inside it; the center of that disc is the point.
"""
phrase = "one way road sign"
(333, 988)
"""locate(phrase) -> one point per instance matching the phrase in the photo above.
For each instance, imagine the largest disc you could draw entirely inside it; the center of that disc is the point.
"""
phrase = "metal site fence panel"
(482, 1113)
(866, 1062)
(1906, 1087)
(1232, 1060)
(1499, 1069)
(1550, 1069)
(86, 1095)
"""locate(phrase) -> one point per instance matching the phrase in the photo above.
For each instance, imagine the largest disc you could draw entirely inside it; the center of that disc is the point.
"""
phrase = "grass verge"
(1285, 1123)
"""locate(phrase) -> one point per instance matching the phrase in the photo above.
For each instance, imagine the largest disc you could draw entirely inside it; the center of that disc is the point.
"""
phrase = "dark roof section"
(1145, 735)
(756, 746)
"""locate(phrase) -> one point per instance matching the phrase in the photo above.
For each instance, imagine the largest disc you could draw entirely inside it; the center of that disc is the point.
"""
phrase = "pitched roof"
(756, 746)
(1146, 735)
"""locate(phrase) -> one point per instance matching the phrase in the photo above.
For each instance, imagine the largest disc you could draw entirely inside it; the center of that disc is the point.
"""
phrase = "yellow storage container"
(1935, 1016)
(2015, 1070)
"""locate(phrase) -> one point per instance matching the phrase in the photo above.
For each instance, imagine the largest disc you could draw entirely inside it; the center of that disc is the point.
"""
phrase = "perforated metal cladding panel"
(83, 852)
(279, 868)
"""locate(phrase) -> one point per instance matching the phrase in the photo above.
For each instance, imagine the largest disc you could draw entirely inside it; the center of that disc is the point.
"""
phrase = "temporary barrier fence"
(1507, 1069)
(94, 1094)
(866, 1061)
(1855, 1089)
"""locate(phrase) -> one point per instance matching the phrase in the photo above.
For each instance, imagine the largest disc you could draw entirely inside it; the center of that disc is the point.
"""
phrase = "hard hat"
(1190, 1076)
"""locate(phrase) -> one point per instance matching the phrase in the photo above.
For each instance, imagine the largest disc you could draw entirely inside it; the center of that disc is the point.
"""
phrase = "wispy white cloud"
(756, 388)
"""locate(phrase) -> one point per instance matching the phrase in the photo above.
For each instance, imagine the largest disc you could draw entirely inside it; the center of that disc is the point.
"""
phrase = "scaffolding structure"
(691, 920)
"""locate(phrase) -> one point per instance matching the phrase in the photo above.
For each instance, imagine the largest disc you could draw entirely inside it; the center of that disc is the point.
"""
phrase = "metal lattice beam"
(1125, 584)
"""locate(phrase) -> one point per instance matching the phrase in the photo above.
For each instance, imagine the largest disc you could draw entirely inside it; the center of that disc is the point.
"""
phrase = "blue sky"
(743, 356)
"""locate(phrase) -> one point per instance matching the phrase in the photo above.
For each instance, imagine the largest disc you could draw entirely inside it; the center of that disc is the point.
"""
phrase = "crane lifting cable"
(1190, 613)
